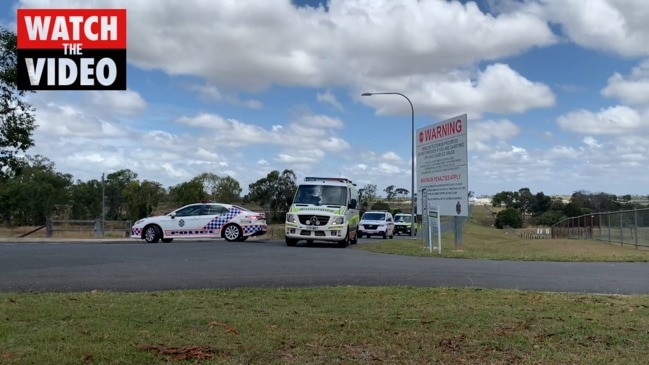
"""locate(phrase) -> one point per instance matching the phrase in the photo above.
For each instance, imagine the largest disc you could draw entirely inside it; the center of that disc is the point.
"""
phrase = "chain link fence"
(626, 227)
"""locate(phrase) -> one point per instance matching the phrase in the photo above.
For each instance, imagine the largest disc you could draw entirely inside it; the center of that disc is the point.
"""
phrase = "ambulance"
(324, 209)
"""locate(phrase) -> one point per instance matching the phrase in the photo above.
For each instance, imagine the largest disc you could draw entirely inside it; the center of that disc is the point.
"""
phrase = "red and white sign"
(442, 168)
(71, 49)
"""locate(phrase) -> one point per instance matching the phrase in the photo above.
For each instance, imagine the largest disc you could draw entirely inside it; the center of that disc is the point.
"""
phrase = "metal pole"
(103, 205)
(413, 211)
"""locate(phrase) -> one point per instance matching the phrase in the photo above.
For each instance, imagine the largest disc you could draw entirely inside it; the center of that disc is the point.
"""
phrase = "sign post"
(433, 213)
(442, 169)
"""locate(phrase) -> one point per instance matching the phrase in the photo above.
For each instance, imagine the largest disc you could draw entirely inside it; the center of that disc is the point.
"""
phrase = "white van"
(376, 223)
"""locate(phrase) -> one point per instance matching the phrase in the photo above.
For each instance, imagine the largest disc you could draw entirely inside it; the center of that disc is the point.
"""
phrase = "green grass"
(341, 325)
(481, 241)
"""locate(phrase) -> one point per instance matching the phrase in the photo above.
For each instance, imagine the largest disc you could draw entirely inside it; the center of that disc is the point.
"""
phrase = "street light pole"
(412, 152)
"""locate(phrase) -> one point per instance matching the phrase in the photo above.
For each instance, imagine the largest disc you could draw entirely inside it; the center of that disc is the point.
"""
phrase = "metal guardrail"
(91, 226)
(626, 227)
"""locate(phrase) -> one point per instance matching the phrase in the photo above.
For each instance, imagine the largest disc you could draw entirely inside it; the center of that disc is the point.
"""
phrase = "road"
(131, 266)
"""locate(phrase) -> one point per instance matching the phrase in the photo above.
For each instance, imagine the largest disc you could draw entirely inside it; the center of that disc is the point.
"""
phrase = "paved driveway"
(134, 266)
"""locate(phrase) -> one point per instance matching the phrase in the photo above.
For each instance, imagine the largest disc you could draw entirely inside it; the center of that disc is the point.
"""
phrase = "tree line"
(38, 192)
(546, 210)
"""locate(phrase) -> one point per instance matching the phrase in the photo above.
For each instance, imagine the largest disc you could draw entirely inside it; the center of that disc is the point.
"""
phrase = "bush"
(549, 218)
(381, 206)
(509, 217)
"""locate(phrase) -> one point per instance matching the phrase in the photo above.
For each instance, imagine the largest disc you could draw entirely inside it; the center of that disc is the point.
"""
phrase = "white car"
(202, 220)
(376, 223)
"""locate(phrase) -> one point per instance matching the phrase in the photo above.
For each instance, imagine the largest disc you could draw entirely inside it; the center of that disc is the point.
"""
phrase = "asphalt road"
(131, 266)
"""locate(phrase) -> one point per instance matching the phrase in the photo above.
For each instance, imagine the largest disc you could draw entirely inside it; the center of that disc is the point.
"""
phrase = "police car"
(202, 220)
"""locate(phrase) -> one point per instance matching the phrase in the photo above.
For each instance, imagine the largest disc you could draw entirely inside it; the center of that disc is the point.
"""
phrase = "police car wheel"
(152, 234)
(232, 232)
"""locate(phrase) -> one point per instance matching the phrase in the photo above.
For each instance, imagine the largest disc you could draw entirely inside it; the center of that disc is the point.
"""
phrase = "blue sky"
(556, 92)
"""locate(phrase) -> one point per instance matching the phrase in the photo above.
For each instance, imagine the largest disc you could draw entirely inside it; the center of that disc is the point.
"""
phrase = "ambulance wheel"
(344, 243)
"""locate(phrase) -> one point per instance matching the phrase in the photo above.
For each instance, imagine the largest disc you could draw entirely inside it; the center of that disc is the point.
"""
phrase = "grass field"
(343, 325)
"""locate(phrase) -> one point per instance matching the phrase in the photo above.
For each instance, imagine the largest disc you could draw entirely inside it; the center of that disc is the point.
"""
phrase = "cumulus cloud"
(631, 90)
(615, 120)
(609, 25)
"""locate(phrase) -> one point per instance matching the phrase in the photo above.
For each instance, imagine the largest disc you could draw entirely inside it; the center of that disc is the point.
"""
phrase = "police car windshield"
(321, 195)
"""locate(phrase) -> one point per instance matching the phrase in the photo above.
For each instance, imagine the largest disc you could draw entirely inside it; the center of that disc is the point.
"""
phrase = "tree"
(142, 198)
(86, 200)
(227, 190)
(188, 192)
(389, 192)
(273, 193)
(573, 210)
(368, 193)
(16, 115)
(37, 193)
(505, 198)
(509, 217)
(209, 181)
(116, 182)
(523, 200)
(540, 204)
(402, 192)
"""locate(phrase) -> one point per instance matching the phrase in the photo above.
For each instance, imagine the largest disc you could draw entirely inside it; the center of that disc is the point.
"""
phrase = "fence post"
(621, 230)
(635, 215)
(97, 228)
(609, 227)
(127, 229)
(49, 227)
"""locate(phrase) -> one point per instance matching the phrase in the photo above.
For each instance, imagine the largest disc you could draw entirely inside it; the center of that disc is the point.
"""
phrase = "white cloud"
(329, 98)
(391, 156)
(497, 89)
(591, 142)
(611, 121)
(633, 90)
(483, 133)
(618, 26)
(127, 102)
(301, 157)
(366, 37)
(563, 152)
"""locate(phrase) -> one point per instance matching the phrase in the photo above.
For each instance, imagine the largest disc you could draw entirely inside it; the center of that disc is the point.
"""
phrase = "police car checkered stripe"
(221, 220)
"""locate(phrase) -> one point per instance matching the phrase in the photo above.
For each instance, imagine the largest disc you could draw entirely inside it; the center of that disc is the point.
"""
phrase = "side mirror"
(172, 215)
(289, 201)
(352, 204)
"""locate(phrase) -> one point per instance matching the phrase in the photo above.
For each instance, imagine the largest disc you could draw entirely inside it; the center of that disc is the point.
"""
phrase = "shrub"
(509, 217)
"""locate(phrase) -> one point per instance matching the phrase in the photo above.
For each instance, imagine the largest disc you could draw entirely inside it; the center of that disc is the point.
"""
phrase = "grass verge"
(343, 325)
(482, 242)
